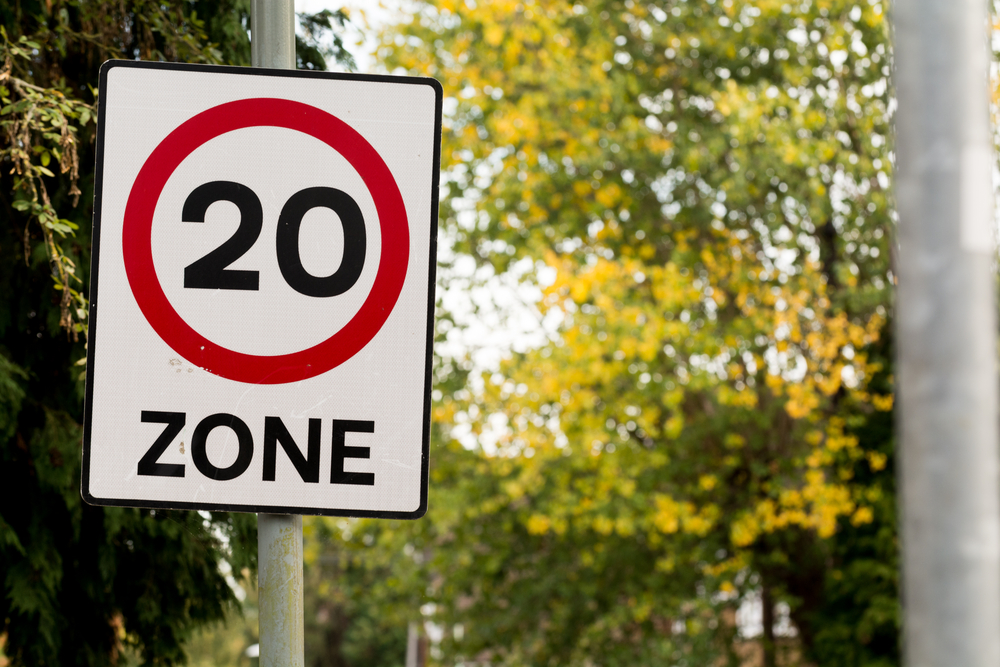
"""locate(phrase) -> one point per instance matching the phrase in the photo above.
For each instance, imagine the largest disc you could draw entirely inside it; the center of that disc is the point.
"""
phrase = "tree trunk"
(767, 638)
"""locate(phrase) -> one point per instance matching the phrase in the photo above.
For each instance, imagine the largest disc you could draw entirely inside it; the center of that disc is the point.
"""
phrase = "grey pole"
(272, 34)
(279, 537)
(279, 590)
(947, 338)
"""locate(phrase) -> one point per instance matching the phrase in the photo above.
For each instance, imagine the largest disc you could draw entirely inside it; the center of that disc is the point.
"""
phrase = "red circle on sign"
(138, 250)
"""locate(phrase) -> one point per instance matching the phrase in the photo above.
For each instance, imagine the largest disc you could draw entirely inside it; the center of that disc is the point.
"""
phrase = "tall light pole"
(946, 375)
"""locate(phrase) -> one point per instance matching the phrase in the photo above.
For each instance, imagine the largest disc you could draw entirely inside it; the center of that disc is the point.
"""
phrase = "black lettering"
(210, 271)
(148, 463)
(342, 451)
(200, 439)
(287, 242)
(274, 433)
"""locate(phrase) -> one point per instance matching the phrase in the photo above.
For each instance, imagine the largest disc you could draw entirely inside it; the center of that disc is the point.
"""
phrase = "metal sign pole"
(279, 590)
(947, 337)
(279, 536)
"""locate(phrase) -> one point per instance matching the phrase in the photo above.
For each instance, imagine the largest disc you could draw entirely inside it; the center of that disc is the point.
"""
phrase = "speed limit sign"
(262, 290)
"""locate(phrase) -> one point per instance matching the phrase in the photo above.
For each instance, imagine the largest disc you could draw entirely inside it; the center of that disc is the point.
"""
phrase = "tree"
(857, 618)
(350, 618)
(82, 583)
(708, 184)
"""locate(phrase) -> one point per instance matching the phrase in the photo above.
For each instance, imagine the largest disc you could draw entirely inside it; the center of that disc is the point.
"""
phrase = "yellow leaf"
(538, 524)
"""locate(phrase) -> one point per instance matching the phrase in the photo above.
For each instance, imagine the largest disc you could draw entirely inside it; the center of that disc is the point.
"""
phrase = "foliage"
(858, 621)
(85, 585)
(349, 615)
(39, 124)
(310, 50)
(708, 184)
(226, 643)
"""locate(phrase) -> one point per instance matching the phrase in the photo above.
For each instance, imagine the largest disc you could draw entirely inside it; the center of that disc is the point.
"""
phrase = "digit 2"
(210, 271)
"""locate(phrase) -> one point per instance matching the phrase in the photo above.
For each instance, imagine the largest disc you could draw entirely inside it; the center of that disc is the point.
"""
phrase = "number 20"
(210, 271)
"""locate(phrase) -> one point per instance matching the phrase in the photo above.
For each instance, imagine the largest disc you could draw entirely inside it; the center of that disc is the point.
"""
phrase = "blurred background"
(663, 380)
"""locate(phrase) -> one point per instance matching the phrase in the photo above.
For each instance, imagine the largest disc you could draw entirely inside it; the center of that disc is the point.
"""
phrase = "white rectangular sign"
(262, 290)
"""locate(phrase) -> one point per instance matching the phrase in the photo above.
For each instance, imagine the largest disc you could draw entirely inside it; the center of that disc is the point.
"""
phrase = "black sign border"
(94, 301)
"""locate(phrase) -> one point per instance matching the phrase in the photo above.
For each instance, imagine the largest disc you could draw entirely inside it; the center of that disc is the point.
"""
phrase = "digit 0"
(212, 272)
(287, 242)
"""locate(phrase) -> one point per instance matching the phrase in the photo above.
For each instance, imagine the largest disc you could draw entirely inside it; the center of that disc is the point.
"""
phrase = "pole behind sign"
(947, 336)
(279, 536)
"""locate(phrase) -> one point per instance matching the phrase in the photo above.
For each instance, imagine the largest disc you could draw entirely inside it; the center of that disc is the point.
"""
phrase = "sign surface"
(262, 290)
